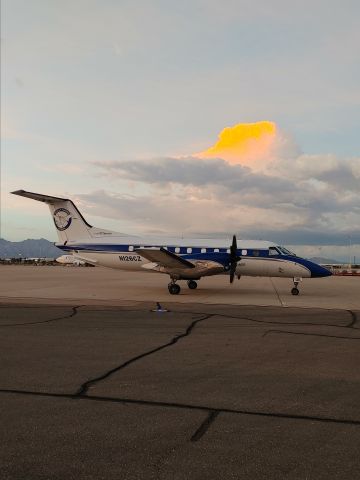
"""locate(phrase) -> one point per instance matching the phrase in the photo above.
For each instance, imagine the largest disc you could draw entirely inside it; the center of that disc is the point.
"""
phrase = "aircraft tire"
(192, 284)
(174, 289)
(295, 291)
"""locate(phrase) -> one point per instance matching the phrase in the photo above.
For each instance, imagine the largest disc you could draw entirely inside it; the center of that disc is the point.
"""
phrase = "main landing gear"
(295, 290)
(175, 289)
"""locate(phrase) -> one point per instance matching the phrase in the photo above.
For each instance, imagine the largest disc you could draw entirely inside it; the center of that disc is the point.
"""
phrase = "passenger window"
(216, 250)
(189, 250)
(244, 252)
(177, 250)
(131, 248)
(228, 250)
(203, 250)
(256, 253)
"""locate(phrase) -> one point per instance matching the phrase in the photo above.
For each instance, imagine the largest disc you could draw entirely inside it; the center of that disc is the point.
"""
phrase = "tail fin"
(70, 224)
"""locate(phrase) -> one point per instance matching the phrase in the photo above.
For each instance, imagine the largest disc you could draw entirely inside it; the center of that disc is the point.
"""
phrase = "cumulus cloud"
(191, 171)
(208, 217)
(253, 144)
(176, 214)
(340, 173)
(261, 184)
(322, 190)
(245, 142)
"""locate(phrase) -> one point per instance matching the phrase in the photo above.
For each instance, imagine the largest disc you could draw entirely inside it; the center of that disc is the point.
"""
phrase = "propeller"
(234, 258)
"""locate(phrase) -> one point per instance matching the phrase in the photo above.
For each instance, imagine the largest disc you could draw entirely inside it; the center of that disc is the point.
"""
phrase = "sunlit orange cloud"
(245, 143)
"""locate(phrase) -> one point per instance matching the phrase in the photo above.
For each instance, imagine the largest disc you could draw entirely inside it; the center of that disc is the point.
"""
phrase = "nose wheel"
(295, 290)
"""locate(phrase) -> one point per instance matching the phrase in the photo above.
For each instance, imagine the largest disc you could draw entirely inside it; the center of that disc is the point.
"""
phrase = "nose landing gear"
(295, 290)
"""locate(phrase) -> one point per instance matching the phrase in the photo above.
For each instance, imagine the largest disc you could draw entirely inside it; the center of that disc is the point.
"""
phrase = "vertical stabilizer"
(69, 223)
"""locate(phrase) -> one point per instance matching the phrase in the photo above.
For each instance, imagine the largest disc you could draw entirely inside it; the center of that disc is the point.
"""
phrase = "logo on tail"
(62, 219)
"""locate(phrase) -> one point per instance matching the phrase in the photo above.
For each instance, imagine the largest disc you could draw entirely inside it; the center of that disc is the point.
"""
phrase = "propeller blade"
(233, 247)
(234, 258)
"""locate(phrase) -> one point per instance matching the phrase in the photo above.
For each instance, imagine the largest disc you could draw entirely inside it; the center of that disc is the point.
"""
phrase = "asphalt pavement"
(198, 392)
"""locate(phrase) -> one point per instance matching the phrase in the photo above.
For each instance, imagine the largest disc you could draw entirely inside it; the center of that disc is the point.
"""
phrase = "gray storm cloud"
(192, 171)
(306, 199)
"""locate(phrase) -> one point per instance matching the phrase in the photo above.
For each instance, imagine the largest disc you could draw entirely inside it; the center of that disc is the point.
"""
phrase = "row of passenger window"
(186, 249)
(183, 250)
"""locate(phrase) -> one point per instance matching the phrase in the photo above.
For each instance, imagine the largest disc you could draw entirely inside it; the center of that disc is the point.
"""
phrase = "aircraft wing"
(163, 261)
(165, 258)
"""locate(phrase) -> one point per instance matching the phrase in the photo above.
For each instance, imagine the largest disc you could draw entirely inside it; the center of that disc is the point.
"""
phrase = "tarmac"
(242, 381)
(105, 286)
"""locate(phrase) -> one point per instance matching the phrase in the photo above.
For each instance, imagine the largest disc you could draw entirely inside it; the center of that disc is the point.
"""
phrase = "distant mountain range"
(30, 248)
(324, 261)
(42, 248)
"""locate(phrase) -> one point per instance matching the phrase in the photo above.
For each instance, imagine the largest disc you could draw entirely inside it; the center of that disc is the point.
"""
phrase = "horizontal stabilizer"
(40, 197)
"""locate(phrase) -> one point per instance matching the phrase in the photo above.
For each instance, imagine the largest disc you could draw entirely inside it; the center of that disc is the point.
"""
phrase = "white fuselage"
(119, 252)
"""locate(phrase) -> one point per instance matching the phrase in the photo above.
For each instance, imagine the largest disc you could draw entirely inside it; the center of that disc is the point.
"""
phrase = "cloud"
(192, 171)
(251, 144)
(331, 189)
(207, 217)
(343, 174)
(243, 143)
(264, 186)
(164, 213)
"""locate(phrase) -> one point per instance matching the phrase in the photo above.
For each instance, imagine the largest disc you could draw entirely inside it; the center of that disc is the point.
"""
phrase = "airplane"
(69, 260)
(182, 259)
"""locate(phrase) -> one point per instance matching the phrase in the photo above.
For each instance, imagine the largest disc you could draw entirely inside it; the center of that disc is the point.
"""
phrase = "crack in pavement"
(266, 322)
(212, 413)
(89, 383)
(204, 427)
(184, 406)
(277, 293)
(353, 319)
(64, 317)
(309, 334)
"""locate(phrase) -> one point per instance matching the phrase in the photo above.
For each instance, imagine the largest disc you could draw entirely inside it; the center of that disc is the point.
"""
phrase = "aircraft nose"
(319, 271)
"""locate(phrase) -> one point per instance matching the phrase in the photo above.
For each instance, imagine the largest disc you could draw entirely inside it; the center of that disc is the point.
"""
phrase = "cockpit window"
(273, 251)
(285, 251)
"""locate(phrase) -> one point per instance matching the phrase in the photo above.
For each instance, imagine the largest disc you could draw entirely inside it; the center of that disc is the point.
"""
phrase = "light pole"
(350, 252)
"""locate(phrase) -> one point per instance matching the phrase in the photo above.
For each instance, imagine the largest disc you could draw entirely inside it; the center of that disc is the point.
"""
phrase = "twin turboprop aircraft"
(181, 259)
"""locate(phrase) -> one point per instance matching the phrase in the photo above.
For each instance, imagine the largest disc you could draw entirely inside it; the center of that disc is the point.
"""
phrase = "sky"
(186, 118)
